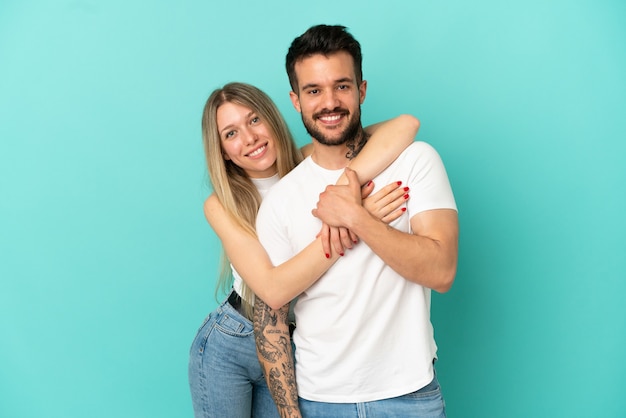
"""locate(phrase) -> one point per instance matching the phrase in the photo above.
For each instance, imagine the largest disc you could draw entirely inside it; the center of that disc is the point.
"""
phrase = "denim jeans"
(427, 402)
(225, 377)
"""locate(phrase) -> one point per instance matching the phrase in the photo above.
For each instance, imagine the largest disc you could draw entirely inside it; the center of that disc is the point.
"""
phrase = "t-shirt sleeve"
(272, 227)
(428, 181)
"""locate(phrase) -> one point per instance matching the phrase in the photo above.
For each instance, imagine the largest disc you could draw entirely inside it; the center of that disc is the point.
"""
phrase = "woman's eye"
(255, 120)
(229, 134)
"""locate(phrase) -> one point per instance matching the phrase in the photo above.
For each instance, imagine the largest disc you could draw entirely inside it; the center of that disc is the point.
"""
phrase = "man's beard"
(350, 134)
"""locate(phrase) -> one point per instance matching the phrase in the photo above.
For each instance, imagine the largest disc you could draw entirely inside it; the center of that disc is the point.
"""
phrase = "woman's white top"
(263, 186)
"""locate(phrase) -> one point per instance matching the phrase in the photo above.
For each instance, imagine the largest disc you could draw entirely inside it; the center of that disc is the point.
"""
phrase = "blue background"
(107, 266)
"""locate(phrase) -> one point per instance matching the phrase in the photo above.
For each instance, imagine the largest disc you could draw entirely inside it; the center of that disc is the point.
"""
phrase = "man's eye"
(342, 86)
(314, 91)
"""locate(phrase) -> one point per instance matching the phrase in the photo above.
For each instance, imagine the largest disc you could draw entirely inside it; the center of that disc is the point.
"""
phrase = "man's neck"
(331, 157)
(335, 157)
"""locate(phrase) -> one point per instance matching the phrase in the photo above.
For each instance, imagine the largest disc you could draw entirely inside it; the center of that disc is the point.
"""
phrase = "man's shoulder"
(419, 152)
(421, 147)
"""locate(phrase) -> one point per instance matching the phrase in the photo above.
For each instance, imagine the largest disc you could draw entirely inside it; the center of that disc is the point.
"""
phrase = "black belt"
(236, 302)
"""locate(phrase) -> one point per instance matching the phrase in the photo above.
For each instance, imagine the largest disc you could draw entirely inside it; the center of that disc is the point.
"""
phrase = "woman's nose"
(251, 137)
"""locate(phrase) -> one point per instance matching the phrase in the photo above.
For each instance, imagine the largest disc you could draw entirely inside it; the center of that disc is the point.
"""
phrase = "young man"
(364, 340)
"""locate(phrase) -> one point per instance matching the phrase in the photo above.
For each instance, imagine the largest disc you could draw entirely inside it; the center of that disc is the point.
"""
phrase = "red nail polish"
(406, 189)
(327, 255)
(403, 209)
(341, 254)
(406, 196)
(369, 182)
(399, 183)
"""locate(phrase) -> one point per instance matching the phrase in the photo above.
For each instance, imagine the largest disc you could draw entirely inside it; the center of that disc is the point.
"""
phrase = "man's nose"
(330, 99)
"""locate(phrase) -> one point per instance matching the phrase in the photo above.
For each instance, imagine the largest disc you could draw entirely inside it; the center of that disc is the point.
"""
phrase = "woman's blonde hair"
(231, 184)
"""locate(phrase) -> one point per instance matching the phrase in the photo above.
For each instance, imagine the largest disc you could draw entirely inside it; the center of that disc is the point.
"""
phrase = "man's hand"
(341, 239)
(337, 204)
(387, 204)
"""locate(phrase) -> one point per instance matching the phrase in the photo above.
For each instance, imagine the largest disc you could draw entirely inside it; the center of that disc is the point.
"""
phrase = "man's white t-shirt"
(363, 332)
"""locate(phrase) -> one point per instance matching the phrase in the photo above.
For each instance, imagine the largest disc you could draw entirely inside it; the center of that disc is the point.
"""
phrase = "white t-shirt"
(263, 186)
(364, 332)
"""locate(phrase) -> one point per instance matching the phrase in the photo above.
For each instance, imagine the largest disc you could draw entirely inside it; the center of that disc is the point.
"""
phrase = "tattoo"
(356, 144)
(271, 330)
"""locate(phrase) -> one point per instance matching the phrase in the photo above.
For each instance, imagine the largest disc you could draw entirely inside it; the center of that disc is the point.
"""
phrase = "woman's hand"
(387, 204)
(338, 238)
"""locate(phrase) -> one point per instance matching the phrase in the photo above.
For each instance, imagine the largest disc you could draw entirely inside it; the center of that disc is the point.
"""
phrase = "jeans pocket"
(431, 389)
(234, 325)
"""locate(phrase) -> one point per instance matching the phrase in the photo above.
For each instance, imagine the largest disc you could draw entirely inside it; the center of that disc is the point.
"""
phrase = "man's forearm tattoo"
(271, 330)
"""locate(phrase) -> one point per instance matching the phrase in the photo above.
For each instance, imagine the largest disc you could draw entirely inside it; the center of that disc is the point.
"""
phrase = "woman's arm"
(388, 140)
(273, 347)
(277, 286)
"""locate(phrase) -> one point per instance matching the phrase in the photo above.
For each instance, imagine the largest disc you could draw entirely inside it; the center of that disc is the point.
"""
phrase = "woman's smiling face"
(246, 140)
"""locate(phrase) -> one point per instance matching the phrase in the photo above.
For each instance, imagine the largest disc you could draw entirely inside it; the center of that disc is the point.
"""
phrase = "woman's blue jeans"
(225, 377)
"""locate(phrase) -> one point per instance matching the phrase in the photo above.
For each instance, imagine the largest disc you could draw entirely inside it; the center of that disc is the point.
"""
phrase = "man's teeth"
(330, 118)
(257, 151)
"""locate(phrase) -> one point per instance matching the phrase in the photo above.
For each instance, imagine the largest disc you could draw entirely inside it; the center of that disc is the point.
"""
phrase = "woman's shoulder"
(211, 200)
(213, 207)
(307, 150)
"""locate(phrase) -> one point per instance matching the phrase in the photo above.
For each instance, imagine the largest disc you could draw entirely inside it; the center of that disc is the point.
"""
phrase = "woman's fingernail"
(369, 182)
(406, 196)
(403, 209)
(327, 255)
(406, 189)
(341, 254)
(399, 183)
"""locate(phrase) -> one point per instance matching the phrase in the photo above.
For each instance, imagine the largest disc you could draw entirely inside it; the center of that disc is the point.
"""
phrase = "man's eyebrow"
(340, 80)
(308, 86)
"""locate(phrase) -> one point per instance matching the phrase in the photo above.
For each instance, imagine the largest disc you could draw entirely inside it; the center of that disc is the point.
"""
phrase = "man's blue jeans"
(424, 403)
(225, 377)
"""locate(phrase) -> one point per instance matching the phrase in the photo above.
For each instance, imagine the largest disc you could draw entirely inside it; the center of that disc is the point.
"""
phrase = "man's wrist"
(359, 217)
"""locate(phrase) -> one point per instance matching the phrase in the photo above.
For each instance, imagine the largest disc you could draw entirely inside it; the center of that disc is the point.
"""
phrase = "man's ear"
(295, 101)
(362, 90)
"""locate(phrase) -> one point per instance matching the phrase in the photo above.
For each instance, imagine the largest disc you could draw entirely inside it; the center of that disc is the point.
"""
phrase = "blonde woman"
(249, 148)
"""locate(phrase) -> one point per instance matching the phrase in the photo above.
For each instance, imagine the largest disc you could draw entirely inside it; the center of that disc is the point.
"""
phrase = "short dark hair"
(325, 40)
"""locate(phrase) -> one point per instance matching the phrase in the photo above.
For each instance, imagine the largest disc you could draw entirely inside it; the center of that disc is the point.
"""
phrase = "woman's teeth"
(257, 151)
